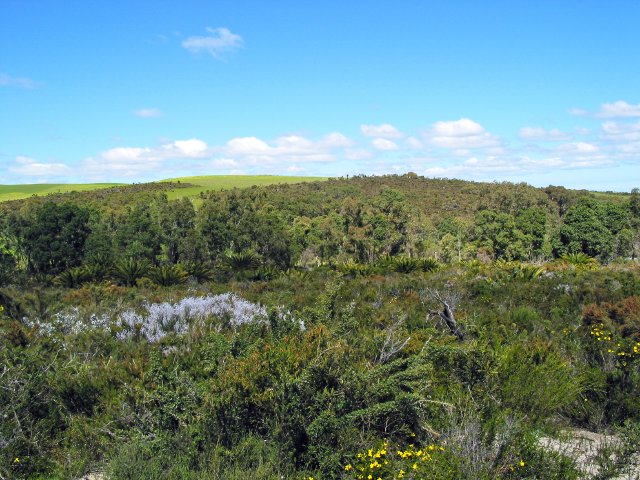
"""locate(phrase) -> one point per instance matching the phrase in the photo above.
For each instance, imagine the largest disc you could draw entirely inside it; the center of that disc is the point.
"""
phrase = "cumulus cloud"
(461, 134)
(544, 135)
(286, 149)
(192, 148)
(579, 148)
(336, 140)
(18, 82)
(32, 168)
(385, 130)
(218, 43)
(148, 113)
(490, 167)
(618, 109)
(621, 132)
(136, 161)
(384, 145)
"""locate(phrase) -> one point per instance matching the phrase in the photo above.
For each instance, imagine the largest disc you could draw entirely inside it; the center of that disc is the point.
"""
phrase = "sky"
(542, 91)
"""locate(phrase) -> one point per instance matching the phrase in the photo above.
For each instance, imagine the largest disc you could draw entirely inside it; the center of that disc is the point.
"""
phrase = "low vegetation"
(387, 327)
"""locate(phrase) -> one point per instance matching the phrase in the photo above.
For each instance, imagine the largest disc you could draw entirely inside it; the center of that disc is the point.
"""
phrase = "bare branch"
(448, 302)
(393, 342)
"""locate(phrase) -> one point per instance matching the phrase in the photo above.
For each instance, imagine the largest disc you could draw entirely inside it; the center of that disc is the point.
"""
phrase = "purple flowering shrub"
(70, 321)
(225, 310)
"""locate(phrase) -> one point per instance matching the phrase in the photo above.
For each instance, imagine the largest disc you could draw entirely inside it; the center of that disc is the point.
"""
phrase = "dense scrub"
(195, 381)
(243, 340)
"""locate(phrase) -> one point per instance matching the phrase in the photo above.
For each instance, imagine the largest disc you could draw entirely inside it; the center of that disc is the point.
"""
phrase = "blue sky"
(546, 92)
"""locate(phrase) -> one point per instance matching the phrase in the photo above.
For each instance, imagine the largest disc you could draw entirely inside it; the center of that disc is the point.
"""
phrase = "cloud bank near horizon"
(461, 148)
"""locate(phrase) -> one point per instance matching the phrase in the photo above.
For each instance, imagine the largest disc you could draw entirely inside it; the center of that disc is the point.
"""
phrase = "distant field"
(223, 182)
(16, 192)
(202, 183)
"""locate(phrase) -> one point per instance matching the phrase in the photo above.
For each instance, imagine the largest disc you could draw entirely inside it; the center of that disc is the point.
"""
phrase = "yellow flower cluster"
(386, 463)
(600, 333)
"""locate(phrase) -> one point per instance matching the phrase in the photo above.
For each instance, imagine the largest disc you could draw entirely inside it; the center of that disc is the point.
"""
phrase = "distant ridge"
(199, 184)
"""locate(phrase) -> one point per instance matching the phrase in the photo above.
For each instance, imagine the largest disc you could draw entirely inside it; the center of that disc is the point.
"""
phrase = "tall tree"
(55, 238)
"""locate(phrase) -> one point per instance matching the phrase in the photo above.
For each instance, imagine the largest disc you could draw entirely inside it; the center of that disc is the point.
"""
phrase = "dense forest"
(362, 328)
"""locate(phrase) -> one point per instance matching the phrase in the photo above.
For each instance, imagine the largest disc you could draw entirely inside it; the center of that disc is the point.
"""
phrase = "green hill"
(198, 184)
(17, 192)
(225, 182)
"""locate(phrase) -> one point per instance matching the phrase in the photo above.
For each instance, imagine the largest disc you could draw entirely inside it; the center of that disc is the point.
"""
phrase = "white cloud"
(136, 161)
(192, 148)
(414, 143)
(220, 42)
(225, 163)
(384, 145)
(18, 82)
(543, 135)
(30, 167)
(461, 134)
(286, 149)
(578, 112)
(492, 167)
(579, 148)
(336, 140)
(621, 132)
(148, 113)
(618, 109)
(457, 128)
(7, 80)
(247, 146)
(385, 130)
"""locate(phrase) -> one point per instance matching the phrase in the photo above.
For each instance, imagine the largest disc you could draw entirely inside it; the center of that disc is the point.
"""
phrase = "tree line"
(359, 220)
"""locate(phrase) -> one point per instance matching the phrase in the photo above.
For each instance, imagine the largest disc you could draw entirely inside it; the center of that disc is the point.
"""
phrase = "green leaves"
(129, 270)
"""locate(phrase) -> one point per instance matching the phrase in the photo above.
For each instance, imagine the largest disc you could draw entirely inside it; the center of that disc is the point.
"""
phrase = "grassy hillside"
(16, 192)
(198, 184)
(224, 182)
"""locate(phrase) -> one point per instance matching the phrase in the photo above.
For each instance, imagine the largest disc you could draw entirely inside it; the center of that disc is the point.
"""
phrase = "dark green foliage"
(634, 202)
(129, 270)
(499, 235)
(7, 264)
(353, 269)
(166, 275)
(579, 260)
(429, 264)
(199, 271)
(405, 264)
(590, 227)
(241, 261)
(139, 233)
(267, 272)
(55, 237)
(72, 278)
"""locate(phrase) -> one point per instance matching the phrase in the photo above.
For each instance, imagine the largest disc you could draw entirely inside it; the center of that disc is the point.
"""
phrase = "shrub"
(228, 309)
(167, 275)
(241, 261)
(129, 270)
(72, 278)
(199, 271)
